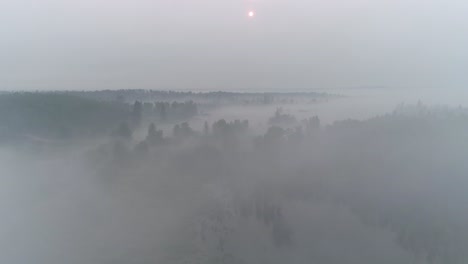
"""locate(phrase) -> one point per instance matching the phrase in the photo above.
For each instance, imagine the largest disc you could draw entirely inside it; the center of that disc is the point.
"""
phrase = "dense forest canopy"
(166, 182)
(60, 116)
(218, 97)
(56, 116)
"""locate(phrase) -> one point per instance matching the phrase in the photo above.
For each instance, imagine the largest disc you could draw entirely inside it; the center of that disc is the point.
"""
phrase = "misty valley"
(171, 177)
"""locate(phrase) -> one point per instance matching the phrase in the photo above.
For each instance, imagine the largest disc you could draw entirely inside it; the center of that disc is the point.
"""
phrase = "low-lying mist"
(282, 185)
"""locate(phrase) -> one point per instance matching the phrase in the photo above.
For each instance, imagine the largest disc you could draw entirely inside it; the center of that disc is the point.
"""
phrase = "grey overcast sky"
(213, 44)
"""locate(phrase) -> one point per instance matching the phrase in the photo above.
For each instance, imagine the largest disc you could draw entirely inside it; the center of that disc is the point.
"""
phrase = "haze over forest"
(233, 132)
(138, 176)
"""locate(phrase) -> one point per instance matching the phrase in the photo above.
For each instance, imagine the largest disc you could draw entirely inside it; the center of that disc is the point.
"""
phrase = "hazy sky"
(213, 44)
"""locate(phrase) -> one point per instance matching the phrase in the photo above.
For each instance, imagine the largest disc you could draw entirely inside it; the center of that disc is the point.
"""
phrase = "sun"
(251, 13)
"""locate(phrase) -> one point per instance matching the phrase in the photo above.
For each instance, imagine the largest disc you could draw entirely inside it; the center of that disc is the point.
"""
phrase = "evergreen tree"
(123, 131)
(154, 136)
(163, 112)
(137, 113)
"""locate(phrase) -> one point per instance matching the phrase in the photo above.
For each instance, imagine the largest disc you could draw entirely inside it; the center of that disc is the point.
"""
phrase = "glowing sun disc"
(251, 14)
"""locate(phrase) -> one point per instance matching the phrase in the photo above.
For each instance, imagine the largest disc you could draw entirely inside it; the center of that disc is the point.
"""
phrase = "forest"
(233, 132)
(111, 177)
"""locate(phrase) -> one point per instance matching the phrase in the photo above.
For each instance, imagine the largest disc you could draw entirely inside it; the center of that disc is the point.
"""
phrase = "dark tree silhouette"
(312, 125)
(154, 136)
(123, 131)
(137, 113)
(163, 112)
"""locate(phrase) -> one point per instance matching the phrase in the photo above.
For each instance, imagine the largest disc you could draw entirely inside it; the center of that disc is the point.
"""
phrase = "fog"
(236, 132)
(367, 183)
